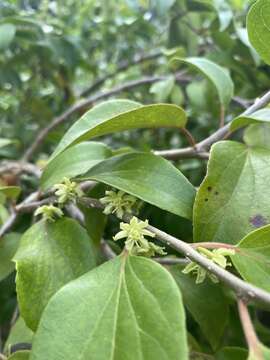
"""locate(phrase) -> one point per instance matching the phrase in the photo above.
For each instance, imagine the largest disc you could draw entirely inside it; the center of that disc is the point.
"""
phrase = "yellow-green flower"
(67, 191)
(49, 212)
(118, 202)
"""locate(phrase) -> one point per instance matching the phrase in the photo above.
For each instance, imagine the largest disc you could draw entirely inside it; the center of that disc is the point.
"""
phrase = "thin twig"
(213, 245)
(189, 137)
(222, 116)
(250, 334)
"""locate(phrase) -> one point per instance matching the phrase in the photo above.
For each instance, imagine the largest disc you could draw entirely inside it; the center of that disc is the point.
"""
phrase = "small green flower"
(218, 256)
(67, 191)
(118, 202)
(135, 233)
(49, 212)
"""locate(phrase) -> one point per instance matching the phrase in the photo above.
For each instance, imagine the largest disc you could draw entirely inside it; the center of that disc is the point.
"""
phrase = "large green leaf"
(257, 117)
(258, 135)
(219, 78)
(19, 333)
(7, 33)
(233, 199)
(148, 177)
(252, 259)
(128, 308)
(8, 248)
(258, 25)
(118, 115)
(212, 314)
(50, 255)
(74, 161)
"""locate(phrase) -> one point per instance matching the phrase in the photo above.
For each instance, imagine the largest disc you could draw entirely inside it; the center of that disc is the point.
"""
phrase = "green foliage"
(136, 312)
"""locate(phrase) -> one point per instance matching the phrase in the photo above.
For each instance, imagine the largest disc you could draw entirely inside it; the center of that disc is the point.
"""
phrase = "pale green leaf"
(74, 161)
(162, 89)
(252, 259)
(260, 116)
(234, 194)
(5, 142)
(148, 177)
(128, 308)
(258, 25)
(7, 33)
(264, 351)
(218, 77)
(8, 247)
(258, 135)
(119, 115)
(50, 255)
(212, 314)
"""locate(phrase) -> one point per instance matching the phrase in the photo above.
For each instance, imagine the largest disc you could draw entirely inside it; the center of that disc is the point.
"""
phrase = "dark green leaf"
(119, 115)
(233, 200)
(50, 255)
(258, 25)
(232, 353)
(74, 161)
(128, 308)
(11, 192)
(19, 333)
(148, 177)
(211, 314)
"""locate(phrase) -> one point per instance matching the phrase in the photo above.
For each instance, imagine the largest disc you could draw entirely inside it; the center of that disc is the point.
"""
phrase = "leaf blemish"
(209, 188)
(258, 221)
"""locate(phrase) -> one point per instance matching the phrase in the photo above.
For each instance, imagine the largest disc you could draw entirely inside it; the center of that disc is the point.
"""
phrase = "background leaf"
(258, 25)
(19, 333)
(50, 255)
(210, 314)
(148, 177)
(8, 248)
(232, 201)
(11, 192)
(232, 353)
(258, 135)
(219, 78)
(74, 161)
(7, 33)
(128, 308)
(20, 355)
(118, 115)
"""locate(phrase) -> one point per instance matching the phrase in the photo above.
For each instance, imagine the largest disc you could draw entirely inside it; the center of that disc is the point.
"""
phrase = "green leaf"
(19, 333)
(119, 115)
(224, 13)
(264, 351)
(128, 308)
(162, 89)
(20, 355)
(11, 192)
(234, 194)
(252, 259)
(258, 135)
(231, 353)
(74, 161)
(258, 25)
(5, 142)
(148, 177)
(7, 33)
(50, 255)
(257, 117)
(8, 248)
(212, 314)
(218, 77)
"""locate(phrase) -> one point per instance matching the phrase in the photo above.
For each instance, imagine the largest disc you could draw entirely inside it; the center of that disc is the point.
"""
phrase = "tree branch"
(242, 289)
(220, 134)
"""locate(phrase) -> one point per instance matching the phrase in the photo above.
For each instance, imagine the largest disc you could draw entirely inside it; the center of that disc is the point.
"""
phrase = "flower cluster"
(118, 202)
(67, 191)
(135, 243)
(218, 256)
(49, 212)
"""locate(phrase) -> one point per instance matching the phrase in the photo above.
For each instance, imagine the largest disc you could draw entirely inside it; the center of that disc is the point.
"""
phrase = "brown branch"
(250, 334)
(88, 102)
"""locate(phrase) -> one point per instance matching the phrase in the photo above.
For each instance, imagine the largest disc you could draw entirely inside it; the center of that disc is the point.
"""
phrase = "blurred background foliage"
(56, 53)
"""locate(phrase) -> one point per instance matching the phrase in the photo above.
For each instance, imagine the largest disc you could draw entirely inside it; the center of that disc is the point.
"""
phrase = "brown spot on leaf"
(206, 199)
(216, 192)
(209, 188)
(258, 221)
